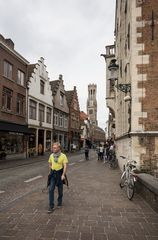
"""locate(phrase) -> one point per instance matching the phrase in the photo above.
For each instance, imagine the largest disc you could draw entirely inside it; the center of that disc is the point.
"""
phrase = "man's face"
(56, 148)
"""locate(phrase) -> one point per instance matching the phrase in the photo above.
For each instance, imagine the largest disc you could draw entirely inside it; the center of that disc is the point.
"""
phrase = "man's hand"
(62, 177)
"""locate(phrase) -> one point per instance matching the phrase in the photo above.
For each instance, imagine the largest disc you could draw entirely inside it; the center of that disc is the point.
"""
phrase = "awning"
(13, 127)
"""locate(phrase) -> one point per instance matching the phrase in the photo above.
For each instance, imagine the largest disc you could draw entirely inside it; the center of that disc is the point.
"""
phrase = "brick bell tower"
(92, 104)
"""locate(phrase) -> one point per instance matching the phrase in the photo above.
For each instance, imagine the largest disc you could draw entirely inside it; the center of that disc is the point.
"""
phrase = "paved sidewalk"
(95, 208)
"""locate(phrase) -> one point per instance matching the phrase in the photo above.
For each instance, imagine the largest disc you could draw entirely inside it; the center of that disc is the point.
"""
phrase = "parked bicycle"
(128, 178)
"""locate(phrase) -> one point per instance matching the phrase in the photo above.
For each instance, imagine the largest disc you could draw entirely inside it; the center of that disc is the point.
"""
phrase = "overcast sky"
(69, 34)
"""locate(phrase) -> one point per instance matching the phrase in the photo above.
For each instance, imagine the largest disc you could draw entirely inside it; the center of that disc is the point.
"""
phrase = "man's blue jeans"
(55, 180)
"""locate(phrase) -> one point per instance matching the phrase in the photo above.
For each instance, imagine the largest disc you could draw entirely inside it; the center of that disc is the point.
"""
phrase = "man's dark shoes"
(50, 210)
(59, 206)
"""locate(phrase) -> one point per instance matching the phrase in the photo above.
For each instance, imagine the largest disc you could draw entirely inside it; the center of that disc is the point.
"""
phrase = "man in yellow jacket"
(57, 170)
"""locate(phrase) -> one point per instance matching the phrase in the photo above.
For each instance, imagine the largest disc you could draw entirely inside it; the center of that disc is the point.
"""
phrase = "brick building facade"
(74, 124)
(13, 101)
(136, 55)
(60, 112)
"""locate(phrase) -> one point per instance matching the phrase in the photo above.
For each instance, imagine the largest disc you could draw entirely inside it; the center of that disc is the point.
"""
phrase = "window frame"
(20, 103)
(61, 99)
(21, 78)
(32, 110)
(48, 115)
(8, 73)
(55, 119)
(42, 87)
(41, 113)
(7, 94)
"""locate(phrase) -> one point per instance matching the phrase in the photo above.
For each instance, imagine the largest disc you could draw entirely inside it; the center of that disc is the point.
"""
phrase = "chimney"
(60, 77)
(9, 43)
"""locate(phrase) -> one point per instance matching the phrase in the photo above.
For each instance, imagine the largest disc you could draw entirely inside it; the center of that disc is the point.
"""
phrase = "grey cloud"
(69, 34)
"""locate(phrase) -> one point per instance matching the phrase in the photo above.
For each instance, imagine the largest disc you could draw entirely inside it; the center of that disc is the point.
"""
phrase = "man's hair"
(57, 144)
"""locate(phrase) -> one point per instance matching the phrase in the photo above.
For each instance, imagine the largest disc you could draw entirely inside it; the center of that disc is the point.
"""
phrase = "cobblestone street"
(94, 208)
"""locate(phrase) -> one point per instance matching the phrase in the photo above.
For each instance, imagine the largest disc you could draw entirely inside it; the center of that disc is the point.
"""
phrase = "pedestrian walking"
(57, 170)
(86, 151)
(101, 152)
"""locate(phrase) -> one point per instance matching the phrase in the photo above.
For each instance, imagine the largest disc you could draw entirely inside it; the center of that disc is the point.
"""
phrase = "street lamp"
(113, 68)
(123, 87)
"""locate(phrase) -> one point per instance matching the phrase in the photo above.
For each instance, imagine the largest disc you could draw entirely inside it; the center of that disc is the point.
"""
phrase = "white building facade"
(40, 109)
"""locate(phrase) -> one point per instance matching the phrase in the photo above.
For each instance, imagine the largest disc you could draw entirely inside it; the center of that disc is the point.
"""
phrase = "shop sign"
(15, 133)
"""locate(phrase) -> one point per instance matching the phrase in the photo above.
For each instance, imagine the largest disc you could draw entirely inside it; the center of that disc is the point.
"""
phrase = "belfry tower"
(92, 104)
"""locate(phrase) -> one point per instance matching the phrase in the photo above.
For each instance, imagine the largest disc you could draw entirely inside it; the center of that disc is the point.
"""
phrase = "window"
(65, 122)
(8, 70)
(20, 104)
(42, 87)
(7, 95)
(21, 78)
(73, 120)
(61, 99)
(11, 143)
(41, 112)
(49, 112)
(91, 111)
(128, 37)
(61, 120)
(91, 102)
(32, 109)
(55, 119)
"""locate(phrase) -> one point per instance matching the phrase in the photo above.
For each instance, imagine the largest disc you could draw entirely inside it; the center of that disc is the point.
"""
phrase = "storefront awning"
(13, 127)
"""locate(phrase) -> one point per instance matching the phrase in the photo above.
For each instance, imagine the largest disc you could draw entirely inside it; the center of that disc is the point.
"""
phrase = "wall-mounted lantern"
(113, 68)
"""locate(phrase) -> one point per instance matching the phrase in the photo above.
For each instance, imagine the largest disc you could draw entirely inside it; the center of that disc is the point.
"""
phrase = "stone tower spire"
(92, 103)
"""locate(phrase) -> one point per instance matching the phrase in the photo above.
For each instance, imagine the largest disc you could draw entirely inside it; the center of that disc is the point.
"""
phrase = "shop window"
(7, 96)
(21, 78)
(48, 140)
(49, 113)
(32, 143)
(32, 109)
(11, 143)
(20, 104)
(8, 70)
(41, 112)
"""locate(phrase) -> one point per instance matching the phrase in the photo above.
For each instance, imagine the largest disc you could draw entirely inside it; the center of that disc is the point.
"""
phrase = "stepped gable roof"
(69, 96)
(54, 86)
(31, 68)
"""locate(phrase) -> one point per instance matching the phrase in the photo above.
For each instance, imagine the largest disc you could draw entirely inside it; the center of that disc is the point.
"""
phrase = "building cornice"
(130, 134)
(13, 52)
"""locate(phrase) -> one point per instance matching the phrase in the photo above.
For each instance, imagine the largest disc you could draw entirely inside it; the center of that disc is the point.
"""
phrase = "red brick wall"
(150, 100)
(11, 84)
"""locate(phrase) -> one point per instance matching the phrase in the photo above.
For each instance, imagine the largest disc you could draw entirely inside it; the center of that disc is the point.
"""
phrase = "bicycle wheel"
(130, 187)
(123, 180)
